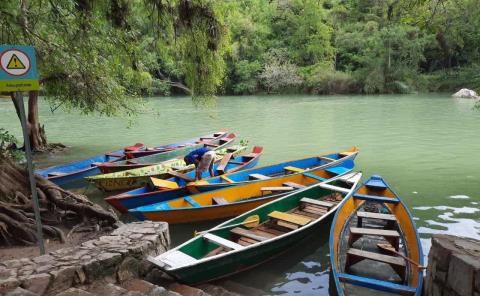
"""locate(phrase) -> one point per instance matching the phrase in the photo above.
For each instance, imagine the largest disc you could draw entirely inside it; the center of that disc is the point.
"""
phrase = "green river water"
(426, 146)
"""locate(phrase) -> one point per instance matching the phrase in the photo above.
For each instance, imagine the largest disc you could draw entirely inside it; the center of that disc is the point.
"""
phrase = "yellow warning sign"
(15, 63)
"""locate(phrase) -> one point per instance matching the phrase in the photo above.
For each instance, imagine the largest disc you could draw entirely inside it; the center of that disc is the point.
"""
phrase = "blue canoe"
(371, 235)
(149, 194)
(74, 172)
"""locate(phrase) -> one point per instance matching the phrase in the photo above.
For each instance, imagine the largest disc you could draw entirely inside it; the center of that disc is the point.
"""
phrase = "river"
(426, 146)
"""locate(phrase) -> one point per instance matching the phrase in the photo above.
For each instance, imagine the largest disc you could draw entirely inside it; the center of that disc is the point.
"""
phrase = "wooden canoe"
(165, 148)
(371, 219)
(140, 177)
(152, 159)
(74, 172)
(232, 201)
(281, 225)
(275, 170)
(153, 194)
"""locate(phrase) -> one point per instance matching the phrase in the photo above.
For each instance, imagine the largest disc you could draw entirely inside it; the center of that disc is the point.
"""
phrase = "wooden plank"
(216, 251)
(318, 178)
(249, 240)
(236, 162)
(311, 215)
(290, 218)
(287, 225)
(375, 198)
(219, 200)
(178, 258)
(370, 215)
(223, 163)
(263, 233)
(293, 169)
(399, 261)
(243, 243)
(160, 183)
(227, 179)
(317, 202)
(373, 231)
(258, 177)
(181, 176)
(222, 242)
(192, 202)
(281, 188)
(315, 211)
(326, 158)
(247, 233)
(265, 228)
(294, 185)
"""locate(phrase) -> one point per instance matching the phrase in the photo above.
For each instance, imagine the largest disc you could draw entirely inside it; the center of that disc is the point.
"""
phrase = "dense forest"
(93, 53)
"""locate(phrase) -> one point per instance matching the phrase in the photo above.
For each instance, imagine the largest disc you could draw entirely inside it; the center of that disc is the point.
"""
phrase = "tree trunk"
(57, 207)
(38, 139)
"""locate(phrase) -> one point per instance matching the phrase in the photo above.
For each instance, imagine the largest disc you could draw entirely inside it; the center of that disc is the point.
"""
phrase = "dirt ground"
(18, 252)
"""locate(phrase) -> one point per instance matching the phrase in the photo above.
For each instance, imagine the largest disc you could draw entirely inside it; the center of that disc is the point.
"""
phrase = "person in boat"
(203, 159)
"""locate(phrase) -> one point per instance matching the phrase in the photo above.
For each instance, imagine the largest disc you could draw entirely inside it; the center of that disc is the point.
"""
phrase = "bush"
(8, 146)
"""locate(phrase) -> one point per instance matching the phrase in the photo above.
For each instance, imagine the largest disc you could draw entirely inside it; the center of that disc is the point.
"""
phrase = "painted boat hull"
(140, 177)
(406, 227)
(157, 157)
(145, 196)
(241, 198)
(234, 261)
(309, 164)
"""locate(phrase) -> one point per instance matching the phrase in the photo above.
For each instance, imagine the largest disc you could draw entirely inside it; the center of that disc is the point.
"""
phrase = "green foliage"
(8, 144)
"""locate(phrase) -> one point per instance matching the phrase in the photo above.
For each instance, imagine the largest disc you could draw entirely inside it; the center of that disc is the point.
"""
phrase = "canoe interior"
(279, 169)
(360, 226)
(241, 193)
(201, 248)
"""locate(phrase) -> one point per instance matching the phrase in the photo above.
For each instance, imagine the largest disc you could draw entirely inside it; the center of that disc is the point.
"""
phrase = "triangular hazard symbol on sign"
(15, 63)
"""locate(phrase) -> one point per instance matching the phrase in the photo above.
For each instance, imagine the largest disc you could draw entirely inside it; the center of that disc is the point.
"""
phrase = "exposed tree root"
(58, 207)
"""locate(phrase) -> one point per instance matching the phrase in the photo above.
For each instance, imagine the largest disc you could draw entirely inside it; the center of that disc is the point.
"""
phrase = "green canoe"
(258, 235)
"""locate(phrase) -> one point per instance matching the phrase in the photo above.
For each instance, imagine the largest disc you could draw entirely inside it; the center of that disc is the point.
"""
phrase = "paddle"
(390, 248)
(250, 222)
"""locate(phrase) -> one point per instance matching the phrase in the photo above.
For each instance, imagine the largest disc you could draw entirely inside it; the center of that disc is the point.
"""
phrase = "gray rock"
(216, 290)
(62, 279)
(100, 288)
(144, 287)
(461, 274)
(466, 94)
(128, 269)
(8, 284)
(20, 292)
(187, 290)
(37, 283)
(74, 292)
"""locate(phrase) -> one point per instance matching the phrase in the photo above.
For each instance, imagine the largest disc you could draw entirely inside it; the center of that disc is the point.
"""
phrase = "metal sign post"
(18, 72)
(33, 185)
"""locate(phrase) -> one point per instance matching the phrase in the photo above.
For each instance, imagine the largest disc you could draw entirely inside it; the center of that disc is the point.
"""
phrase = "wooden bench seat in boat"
(223, 163)
(355, 255)
(160, 183)
(276, 189)
(318, 178)
(346, 153)
(235, 162)
(222, 242)
(181, 176)
(241, 232)
(392, 236)
(225, 178)
(192, 202)
(319, 203)
(210, 145)
(326, 158)
(287, 220)
(54, 174)
(369, 215)
(294, 185)
(375, 198)
(258, 177)
(219, 200)
(178, 259)
(292, 170)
